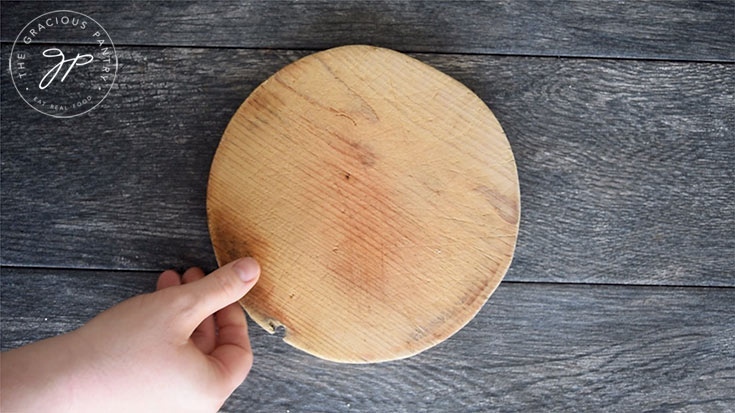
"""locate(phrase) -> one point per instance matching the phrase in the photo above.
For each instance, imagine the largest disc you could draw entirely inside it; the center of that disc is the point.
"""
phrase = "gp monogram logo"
(63, 63)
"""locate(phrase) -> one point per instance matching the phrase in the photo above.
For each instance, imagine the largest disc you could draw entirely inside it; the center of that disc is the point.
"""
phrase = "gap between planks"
(407, 51)
(550, 283)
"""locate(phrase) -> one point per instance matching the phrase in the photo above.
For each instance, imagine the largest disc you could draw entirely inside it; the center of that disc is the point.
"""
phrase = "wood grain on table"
(534, 346)
(621, 117)
(626, 167)
(663, 29)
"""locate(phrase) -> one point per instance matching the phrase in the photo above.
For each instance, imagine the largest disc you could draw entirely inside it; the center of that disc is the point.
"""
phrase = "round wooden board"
(379, 195)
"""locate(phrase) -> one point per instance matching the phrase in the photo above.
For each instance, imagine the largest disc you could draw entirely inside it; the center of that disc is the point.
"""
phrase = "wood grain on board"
(626, 167)
(533, 347)
(379, 195)
(669, 29)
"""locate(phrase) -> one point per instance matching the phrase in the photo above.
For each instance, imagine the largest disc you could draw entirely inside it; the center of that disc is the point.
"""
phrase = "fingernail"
(247, 268)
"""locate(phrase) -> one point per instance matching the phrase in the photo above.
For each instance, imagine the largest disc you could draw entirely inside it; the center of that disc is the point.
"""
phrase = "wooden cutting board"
(379, 195)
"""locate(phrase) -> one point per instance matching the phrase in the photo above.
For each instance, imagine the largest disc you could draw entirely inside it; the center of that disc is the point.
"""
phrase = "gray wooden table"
(621, 116)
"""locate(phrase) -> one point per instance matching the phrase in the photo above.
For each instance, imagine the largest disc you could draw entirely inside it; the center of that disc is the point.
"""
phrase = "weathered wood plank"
(626, 167)
(533, 347)
(668, 29)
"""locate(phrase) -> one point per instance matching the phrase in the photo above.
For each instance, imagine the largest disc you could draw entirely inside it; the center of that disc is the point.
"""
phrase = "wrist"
(42, 376)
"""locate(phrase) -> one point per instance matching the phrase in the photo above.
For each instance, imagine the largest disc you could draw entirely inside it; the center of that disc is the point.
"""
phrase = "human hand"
(158, 352)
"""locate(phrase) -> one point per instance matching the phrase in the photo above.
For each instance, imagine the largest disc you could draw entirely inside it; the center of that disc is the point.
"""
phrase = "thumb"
(221, 288)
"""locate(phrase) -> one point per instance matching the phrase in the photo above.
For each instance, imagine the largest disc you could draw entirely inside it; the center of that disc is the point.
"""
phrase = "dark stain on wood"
(506, 208)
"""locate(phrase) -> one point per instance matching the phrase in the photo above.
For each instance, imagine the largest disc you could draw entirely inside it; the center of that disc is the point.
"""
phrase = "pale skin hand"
(156, 352)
